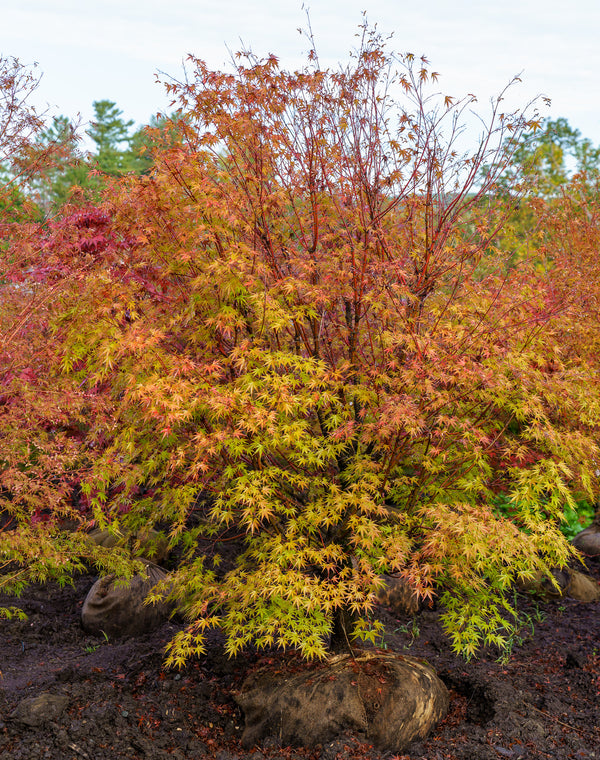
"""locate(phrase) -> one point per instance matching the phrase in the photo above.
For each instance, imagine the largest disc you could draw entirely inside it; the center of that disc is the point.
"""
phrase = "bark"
(341, 634)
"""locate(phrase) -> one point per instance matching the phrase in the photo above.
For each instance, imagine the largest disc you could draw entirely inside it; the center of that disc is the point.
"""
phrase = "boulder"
(582, 587)
(118, 609)
(35, 711)
(588, 541)
(390, 698)
(569, 583)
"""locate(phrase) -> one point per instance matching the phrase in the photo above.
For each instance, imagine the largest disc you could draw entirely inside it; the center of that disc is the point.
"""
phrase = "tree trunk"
(341, 632)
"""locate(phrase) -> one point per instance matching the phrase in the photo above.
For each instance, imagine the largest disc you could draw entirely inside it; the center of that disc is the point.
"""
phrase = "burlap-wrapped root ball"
(392, 699)
(119, 610)
(148, 544)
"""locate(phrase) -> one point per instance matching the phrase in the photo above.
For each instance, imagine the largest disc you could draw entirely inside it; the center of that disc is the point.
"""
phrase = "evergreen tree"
(55, 186)
(110, 132)
(116, 153)
(147, 141)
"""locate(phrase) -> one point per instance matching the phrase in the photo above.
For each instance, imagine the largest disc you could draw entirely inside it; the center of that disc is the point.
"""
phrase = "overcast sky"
(111, 49)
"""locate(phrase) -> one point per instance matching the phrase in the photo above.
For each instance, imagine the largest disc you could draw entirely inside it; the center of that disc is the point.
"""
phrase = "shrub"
(310, 329)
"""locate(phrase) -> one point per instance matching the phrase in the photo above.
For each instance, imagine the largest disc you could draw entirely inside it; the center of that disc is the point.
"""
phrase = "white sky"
(111, 49)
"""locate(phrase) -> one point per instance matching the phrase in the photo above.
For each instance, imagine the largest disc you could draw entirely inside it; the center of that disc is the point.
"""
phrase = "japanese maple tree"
(310, 338)
(44, 415)
(568, 252)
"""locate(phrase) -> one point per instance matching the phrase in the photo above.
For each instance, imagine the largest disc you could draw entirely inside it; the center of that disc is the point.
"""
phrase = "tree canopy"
(300, 329)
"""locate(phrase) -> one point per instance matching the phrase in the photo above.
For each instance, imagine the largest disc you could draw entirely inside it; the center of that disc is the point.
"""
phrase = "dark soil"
(121, 703)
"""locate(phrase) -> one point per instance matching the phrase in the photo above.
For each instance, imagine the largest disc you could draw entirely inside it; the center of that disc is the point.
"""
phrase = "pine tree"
(110, 133)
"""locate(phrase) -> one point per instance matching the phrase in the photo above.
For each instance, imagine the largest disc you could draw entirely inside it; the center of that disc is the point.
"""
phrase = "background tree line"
(117, 151)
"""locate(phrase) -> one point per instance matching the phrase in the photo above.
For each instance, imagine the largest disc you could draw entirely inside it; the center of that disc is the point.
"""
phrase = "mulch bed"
(544, 702)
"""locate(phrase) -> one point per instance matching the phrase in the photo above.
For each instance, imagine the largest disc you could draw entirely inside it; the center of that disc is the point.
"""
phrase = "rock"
(546, 586)
(150, 544)
(391, 699)
(35, 711)
(588, 541)
(571, 583)
(582, 587)
(399, 596)
(119, 610)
